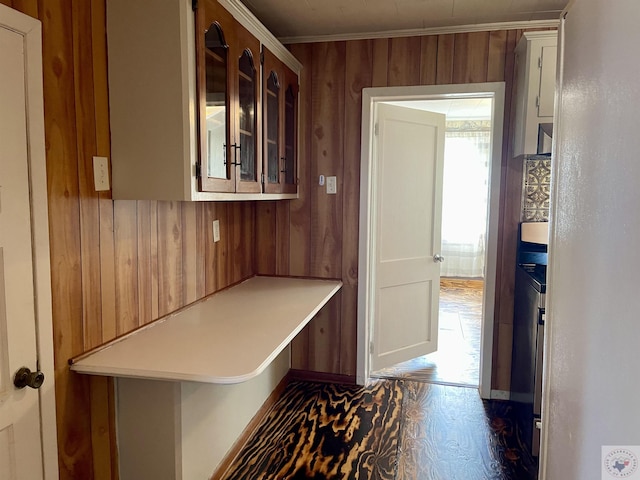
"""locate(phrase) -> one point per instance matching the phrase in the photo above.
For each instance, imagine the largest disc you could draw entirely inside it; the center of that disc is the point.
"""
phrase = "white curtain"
(465, 192)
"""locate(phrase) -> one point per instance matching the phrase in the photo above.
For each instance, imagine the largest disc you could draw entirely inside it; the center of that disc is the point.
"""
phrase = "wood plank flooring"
(457, 361)
(391, 429)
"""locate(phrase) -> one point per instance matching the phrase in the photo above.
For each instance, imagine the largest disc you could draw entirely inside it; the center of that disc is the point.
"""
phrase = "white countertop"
(228, 337)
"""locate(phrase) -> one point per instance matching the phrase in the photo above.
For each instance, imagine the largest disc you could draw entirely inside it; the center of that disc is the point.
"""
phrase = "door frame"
(367, 245)
(31, 31)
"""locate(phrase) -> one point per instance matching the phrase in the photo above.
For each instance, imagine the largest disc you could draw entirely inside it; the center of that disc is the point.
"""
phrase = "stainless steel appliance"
(528, 335)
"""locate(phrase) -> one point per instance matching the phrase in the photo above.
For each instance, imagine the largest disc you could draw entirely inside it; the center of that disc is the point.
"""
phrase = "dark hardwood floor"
(391, 429)
(419, 420)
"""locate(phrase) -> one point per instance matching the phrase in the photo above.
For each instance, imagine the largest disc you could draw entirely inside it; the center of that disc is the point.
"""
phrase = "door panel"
(19, 409)
(407, 216)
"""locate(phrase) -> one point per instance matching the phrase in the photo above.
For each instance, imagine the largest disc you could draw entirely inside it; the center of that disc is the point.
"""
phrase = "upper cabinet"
(536, 56)
(187, 102)
(280, 87)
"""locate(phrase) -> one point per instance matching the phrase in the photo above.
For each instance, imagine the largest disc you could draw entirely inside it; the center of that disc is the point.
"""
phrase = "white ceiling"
(291, 19)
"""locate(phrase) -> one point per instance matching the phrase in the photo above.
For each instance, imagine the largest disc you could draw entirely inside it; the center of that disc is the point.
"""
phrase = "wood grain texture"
(326, 431)
(443, 59)
(327, 97)
(403, 68)
(470, 61)
(444, 69)
(396, 430)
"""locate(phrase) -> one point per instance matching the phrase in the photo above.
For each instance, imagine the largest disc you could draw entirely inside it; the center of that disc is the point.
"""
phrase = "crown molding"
(251, 23)
(479, 27)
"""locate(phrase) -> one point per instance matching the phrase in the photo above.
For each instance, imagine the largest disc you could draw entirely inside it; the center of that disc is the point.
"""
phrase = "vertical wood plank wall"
(323, 230)
(118, 265)
(115, 265)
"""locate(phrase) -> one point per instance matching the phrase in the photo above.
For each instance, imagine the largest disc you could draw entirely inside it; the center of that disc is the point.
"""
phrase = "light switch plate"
(101, 173)
(332, 185)
(216, 230)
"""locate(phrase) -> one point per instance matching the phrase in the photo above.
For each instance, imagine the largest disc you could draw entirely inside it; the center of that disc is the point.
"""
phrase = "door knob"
(437, 258)
(26, 378)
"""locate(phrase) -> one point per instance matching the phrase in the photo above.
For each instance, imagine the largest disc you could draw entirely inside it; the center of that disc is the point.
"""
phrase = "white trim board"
(416, 32)
(370, 97)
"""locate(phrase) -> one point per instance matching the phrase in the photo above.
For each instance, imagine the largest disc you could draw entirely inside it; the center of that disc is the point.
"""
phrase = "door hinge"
(262, 178)
(376, 129)
(538, 101)
(194, 5)
(261, 58)
(371, 349)
(539, 62)
(198, 170)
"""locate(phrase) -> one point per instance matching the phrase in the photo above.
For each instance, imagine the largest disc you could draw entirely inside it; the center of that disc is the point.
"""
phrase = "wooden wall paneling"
(126, 265)
(103, 148)
(300, 209)
(210, 249)
(497, 56)
(328, 85)
(72, 393)
(511, 189)
(404, 66)
(104, 444)
(30, 7)
(200, 250)
(379, 75)
(241, 224)
(155, 275)
(325, 337)
(266, 233)
(189, 251)
(444, 69)
(327, 154)
(283, 240)
(358, 75)
(144, 258)
(471, 55)
(170, 276)
(102, 432)
(428, 59)
(86, 148)
(223, 266)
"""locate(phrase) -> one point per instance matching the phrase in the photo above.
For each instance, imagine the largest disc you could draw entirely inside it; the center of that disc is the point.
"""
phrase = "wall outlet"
(332, 185)
(101, 173)
(216, 230)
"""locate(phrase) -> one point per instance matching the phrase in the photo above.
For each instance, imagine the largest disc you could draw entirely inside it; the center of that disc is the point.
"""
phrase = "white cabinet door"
(408, 217)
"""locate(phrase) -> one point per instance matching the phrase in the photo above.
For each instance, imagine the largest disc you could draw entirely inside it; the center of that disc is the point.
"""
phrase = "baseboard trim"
(321, 377)
(500, 395)
(235, 450)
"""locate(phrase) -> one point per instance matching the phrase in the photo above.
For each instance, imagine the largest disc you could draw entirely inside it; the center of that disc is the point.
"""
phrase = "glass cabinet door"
(272, 130)
(215, 35)
(247, 117)
(216, 139)
(248, 170)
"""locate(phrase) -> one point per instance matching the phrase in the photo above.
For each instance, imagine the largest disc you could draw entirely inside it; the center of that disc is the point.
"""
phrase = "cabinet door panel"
(215, 35)
(246, 124)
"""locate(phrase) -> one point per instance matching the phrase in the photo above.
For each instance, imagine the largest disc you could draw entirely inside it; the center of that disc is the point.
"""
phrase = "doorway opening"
(472, 154)
(465, 192)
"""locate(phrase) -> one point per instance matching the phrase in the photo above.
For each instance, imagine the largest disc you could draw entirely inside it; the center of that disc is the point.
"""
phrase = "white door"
(407, 216)
(21, 441)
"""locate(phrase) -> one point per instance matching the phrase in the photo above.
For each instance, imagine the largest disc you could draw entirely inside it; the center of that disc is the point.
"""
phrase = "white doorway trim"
(31, 31)
(370, 98)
